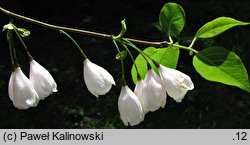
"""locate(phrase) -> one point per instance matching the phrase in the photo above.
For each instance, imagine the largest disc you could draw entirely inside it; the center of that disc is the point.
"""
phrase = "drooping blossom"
(175, 82)
(153, 93)
(42, 80)
(138, 89)
(98, 80)
(130, 107)
(21, 90)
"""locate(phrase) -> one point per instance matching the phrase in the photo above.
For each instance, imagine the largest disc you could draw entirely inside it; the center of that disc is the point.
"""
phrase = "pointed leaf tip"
(221, 65)
(218, 26)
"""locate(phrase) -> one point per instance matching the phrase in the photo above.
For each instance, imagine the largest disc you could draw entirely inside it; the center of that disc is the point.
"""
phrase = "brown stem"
(81, 31)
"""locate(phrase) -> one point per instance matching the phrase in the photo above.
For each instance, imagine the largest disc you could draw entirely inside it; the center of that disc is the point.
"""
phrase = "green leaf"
(172, 19)
(23, 32)
(122, 55)
(218, 26)
(165, 56)
(221, 65)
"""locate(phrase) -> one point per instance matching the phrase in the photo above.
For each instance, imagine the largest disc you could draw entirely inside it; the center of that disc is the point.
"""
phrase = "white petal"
(11, 84)
(42, 80)
(129, 107)
(21, 91)
(138, 89)
(175, 82)
(153, 93)
(97, 79)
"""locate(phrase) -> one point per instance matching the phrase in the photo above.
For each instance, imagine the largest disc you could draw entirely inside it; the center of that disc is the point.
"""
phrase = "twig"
(81, 31)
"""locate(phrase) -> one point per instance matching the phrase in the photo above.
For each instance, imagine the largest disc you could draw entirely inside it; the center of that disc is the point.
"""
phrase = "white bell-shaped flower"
(21, 91)
(175, 82)
(98, 80)
(138, 89)
(41, 79)
(130, 107)
(153, 93)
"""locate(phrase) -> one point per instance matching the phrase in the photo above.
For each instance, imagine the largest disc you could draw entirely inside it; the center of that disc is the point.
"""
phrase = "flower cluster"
(150, 94)
(24, 92)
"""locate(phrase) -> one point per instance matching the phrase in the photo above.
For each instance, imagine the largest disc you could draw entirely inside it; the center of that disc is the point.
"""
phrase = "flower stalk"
(12, 50)
(133, 60)
(84, 56)
(122, 63)
(22, 42)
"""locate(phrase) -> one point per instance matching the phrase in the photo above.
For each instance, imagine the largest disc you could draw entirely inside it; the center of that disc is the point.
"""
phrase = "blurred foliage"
(209, 105)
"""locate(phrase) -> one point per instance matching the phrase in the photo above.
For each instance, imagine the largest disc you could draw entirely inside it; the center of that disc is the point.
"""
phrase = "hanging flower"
(153, 93)
(130, 107)
(42, 80)
(138, 92)
(97, 79)
(138, 89)
(21, 91)
(175, 82)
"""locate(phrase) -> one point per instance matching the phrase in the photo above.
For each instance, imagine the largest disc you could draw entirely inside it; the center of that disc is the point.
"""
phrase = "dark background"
(209, 105)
